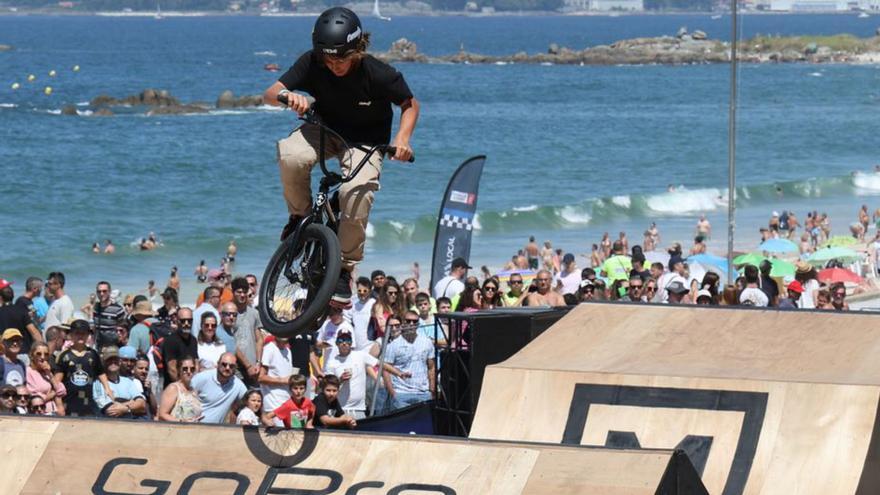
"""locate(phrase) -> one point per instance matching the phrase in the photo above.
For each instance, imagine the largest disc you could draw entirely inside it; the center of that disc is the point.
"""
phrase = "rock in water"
(226, 99)
(553, 49)
(699, 35)
(69, 110)
(5, 48)
(682, 32)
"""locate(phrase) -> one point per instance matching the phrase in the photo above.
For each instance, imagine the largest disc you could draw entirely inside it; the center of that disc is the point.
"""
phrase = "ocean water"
(572, 151)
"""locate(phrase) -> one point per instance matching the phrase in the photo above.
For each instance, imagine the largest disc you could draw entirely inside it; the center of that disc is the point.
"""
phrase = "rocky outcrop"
(69, 110)
(227, 99)
(148, 97)
(684, 48)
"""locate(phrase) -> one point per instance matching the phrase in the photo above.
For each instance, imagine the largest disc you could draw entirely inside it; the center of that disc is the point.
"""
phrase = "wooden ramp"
(762, 401)
(72, 456)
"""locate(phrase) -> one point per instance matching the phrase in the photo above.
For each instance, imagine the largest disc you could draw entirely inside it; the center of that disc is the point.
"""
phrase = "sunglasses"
(341, 342)
(227, 365)
(22, 397)
(412, 321)
(185, 321)
(188, 369)
(8, 395)
(37, 407)
(229, 313)
(392, 293)
(209, 325)
(515, 282)
(487, 289)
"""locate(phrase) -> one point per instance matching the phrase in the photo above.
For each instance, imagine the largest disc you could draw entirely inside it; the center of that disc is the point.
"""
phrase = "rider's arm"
(409, 115)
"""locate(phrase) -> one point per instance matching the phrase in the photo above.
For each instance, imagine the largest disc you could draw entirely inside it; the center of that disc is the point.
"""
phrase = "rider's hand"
(298, 103)
(404, 151)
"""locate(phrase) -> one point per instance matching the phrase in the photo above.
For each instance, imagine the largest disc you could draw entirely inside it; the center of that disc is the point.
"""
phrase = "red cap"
(4, 283)
(796, 286)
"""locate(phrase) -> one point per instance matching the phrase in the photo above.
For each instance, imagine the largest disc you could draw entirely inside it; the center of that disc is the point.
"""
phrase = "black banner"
(455, 222)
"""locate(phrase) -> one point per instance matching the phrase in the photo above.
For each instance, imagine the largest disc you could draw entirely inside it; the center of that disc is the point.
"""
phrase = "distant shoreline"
(414, 13)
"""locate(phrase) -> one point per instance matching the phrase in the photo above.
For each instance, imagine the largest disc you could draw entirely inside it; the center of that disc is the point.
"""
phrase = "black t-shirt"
(175, 347)
(769, 287)
(323, 408)
(80, 371)
(356, 105)
(17, 316)
(300, 351)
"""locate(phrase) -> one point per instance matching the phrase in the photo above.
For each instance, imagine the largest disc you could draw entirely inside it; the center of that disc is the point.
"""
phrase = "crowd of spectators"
(121, 357)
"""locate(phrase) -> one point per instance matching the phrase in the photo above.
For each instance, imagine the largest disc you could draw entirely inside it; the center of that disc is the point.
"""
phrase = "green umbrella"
(833, 253)
(781, 268)
(749, 259)
(840, 241)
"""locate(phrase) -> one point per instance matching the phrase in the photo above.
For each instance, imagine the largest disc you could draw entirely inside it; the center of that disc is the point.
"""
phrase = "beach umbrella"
(711, 263)
(840, 241)
(833, 275)
(778, 246)
(833, 253)
(749, 259)
(781, 268)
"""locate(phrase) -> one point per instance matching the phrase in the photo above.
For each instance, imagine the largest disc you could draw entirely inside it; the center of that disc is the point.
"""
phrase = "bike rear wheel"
(299, 282)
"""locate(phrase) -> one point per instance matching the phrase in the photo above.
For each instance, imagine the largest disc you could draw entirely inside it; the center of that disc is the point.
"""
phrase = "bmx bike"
(301, 275)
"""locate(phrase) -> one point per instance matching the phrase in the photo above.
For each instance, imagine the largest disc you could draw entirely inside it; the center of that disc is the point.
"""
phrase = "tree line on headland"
(317, 5)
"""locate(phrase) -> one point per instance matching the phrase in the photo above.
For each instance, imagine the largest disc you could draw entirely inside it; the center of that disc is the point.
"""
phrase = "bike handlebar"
(312, 118)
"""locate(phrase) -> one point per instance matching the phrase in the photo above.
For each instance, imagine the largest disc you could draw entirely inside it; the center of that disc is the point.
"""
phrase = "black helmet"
(337, 32)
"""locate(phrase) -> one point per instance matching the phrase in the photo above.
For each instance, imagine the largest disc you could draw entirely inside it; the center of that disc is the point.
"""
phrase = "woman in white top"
(807, 276)
(210, 347)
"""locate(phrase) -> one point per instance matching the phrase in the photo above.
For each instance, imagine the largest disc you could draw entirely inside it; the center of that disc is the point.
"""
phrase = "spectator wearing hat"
(107, 314)
(41, 381)
(62, 307)
(617, 266)
(19, 317)
(170, 303)
(704, 297)
(139, 335)
(568, 279)
(677, 293)
(78, 368)
(128, 399)
(794, 289)
(451, 285)
(676, 273)
(12, 369)
(352, 368)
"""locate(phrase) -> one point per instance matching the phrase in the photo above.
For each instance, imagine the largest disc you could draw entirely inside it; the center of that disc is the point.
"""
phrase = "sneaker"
(342, 294)
(288, 229)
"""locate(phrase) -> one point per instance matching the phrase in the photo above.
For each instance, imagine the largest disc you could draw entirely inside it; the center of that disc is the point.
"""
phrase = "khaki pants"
(298, 153)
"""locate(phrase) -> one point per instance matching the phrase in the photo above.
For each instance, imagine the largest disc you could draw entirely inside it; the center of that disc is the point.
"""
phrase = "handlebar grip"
(392, 150)
(282, 98)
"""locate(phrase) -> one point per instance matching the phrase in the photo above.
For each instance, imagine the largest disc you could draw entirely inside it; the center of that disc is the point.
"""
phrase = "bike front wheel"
(299, 282)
